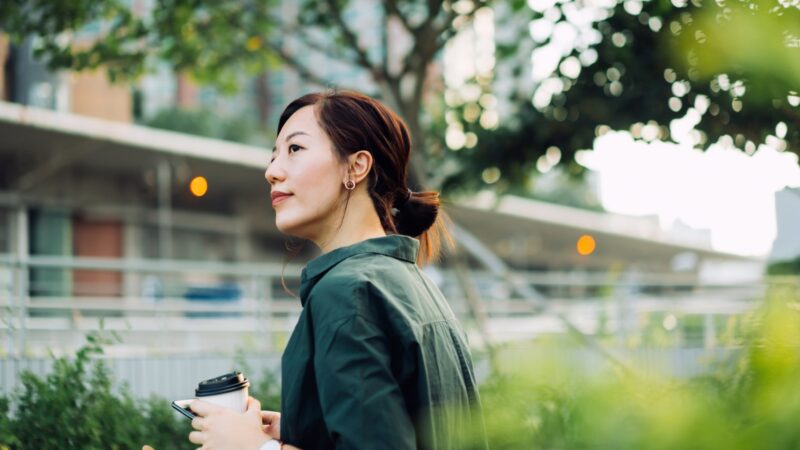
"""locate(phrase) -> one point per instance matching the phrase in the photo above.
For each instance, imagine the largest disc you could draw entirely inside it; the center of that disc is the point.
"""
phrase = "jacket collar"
(395, 245)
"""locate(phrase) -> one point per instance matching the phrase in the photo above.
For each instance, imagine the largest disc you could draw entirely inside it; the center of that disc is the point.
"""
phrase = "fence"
(175, 377)
(187, 313)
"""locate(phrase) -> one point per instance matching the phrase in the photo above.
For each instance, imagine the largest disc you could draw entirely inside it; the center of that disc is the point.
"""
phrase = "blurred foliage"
(744, 39)
(77, 406)
(748, 402)
(733, 64)
(785, 267)
(214, 40)
(206, 122)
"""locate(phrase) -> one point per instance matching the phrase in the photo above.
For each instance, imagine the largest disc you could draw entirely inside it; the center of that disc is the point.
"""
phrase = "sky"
(723, 189)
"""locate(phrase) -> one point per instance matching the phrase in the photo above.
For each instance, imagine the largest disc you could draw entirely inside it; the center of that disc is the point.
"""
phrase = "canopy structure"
(49, 157)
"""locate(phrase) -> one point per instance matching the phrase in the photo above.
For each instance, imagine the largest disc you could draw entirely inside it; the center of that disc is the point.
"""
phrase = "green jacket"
(377, 359)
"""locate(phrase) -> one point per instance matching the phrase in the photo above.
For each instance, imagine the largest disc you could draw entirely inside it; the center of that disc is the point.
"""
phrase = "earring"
(349, 185)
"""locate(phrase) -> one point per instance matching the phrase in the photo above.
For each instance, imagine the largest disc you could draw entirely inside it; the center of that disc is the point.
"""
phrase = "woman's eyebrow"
(296, 133)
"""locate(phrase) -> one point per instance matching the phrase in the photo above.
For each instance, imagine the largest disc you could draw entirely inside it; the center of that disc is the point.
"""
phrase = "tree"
(217, 41)
(641, 65)
(728, 70)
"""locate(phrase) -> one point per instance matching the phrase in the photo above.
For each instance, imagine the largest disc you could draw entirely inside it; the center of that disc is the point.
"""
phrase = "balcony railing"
(162, 307)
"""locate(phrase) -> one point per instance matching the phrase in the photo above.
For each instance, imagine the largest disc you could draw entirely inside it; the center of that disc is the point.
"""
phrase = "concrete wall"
(92, 94)
(4, 50)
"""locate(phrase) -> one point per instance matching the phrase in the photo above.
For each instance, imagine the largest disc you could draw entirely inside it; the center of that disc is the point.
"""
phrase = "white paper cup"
(229, 391)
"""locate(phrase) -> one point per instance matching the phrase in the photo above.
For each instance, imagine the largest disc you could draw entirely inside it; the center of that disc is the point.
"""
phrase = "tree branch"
(328, 50)
(301, 69)
(426, 43)
(385, 39)
(352, 41)
(305, 38)
(434, 6)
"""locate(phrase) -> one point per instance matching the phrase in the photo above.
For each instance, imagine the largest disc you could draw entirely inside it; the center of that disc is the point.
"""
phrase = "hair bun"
(418, 213)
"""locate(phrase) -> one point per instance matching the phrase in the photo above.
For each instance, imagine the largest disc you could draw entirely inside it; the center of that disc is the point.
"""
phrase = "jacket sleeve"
(362, 403)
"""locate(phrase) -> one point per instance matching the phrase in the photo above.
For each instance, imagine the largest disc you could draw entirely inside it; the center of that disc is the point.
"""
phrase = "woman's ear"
(359, 165)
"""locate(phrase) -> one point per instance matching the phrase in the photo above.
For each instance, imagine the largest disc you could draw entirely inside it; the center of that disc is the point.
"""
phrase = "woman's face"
(305, 167)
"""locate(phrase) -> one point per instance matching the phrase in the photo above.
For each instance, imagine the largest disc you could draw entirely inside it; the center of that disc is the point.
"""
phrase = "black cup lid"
(222, 384)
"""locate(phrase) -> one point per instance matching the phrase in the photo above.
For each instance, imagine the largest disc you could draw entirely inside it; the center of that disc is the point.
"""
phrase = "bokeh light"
(586, 245)
(670, 322)
(198, 186)
(491, 175)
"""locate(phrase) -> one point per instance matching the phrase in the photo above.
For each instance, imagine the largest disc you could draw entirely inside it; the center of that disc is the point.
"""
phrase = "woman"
(377, 359)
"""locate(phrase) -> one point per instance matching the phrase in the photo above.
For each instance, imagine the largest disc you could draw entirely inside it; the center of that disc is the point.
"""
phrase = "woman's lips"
(279, 198)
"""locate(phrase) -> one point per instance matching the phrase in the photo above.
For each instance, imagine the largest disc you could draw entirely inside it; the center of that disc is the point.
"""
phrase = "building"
(787, 211)
(97, 220)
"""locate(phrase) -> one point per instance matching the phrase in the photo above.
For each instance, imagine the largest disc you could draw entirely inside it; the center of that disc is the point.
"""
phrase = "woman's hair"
(354, 122)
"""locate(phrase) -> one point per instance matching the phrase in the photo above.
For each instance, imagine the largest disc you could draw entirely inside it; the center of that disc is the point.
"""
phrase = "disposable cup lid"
(222, 384)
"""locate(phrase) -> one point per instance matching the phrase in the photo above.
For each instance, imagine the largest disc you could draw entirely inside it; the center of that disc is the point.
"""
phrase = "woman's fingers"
(197, 437)
(267, 417)
(253, 404)
(271, 423)
(198, 423)
(147, 447)
(202, 408)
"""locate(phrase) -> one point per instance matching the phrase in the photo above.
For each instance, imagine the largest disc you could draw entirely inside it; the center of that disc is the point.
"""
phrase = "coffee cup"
(229, 391)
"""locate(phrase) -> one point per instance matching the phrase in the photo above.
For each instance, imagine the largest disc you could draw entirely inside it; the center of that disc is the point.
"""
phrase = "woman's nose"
(274, 173)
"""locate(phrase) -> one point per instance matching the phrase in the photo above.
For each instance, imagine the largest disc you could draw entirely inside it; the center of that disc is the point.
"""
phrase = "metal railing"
(155, 301)
(162, 306)
(189, 318)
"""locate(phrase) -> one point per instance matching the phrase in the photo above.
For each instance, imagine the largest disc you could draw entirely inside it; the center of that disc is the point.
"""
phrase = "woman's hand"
(271, 422)
(222, 429)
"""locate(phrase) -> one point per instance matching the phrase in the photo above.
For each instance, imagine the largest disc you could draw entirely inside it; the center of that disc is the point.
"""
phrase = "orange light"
(586, 245)
(198, 186)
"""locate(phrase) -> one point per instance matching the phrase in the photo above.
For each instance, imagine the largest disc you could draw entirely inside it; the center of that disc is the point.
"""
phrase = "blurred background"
(622, 179)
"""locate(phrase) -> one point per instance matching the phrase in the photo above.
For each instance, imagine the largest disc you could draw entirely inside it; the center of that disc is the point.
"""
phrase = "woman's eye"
(294, 147)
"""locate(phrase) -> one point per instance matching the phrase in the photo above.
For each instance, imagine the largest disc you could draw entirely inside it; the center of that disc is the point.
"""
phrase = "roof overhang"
(22, 126)
(524, 231)
(533, 233)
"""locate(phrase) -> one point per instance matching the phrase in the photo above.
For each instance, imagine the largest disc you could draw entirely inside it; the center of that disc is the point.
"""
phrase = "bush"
(75, 407)
(751, 402)
(791, 267)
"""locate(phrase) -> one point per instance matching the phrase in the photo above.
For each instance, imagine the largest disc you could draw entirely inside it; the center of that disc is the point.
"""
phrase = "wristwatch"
(271, 444)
